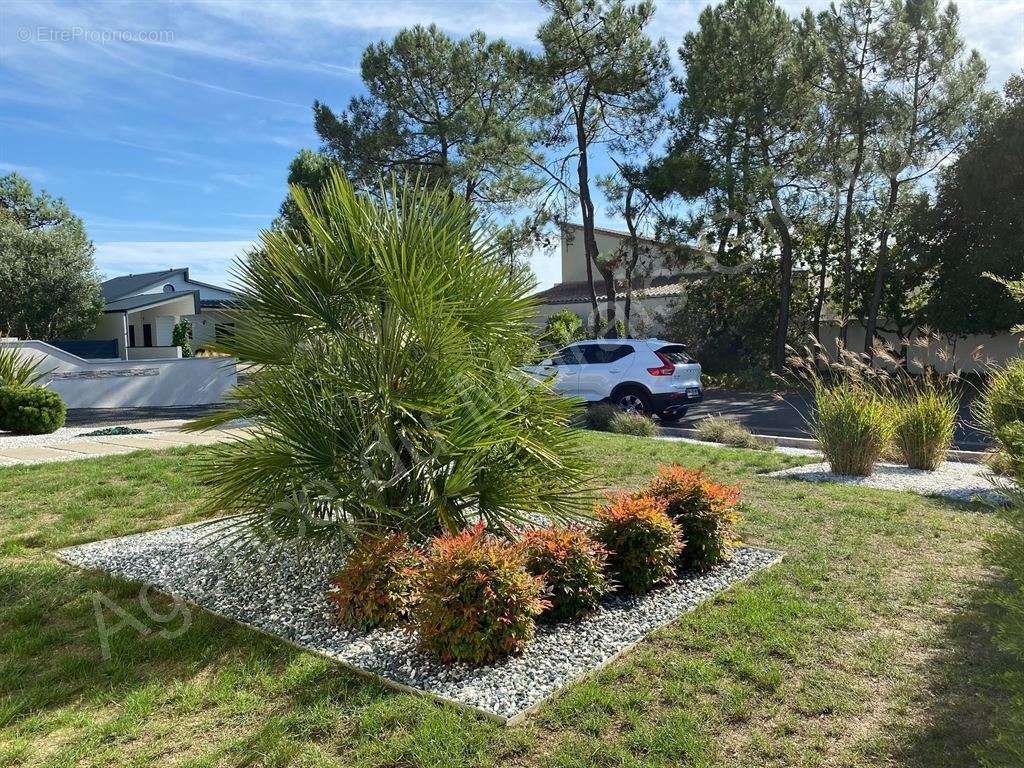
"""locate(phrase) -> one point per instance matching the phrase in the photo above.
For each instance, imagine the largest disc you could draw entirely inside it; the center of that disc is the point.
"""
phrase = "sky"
(169, 127)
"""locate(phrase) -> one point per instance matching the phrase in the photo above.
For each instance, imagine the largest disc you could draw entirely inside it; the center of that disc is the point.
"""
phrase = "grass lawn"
(866, 646)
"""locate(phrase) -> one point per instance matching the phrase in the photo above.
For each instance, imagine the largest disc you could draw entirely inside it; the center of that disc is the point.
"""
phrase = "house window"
(168, 288)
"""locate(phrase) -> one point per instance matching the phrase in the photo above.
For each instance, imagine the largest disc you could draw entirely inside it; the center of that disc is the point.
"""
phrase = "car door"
(605, 364)
(564, 367)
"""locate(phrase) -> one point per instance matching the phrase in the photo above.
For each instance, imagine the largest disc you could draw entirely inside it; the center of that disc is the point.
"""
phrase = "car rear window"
(676, 353)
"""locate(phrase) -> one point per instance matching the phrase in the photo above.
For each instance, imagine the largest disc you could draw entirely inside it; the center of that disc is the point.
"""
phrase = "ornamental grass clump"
(719, 429)
(853, 424)
(924, 423)
(384, 338)
(1000, 410)
(377, 585)
(478, 603)
(704, 510)
(571, 564)
(636, 424)
(643, 544)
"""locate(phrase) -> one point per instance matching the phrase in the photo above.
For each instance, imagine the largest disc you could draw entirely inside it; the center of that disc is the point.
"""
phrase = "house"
(656, 279)
(141, 312)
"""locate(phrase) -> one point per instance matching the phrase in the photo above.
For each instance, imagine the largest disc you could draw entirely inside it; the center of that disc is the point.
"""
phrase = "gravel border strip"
(958, 481)
(285, 599)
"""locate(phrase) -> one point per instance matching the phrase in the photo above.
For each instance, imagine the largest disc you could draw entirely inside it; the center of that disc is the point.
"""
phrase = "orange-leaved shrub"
(478, 603)
(571, 563)
(643, 543)
(703, 509)
(377, 585)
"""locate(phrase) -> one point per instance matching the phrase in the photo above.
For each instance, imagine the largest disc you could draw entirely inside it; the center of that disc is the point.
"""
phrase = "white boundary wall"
(131, 383)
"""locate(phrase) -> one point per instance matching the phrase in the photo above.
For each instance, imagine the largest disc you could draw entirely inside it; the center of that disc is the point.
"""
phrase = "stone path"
(69, 445)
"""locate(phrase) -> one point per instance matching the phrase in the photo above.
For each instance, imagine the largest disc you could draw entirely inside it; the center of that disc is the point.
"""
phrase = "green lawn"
(866, 646)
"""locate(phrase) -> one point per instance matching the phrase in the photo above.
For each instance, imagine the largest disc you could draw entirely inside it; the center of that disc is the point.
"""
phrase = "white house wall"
(574, 263)
(181, 284)
(645, 314)
(131, 383)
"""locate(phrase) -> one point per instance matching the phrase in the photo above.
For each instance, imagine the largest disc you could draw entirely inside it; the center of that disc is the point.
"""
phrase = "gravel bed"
(62, 435)
(953, 479)
(284, 596)
(791, 450)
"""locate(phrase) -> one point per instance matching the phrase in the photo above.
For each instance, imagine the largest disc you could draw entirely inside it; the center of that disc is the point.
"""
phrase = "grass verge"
(867, 646)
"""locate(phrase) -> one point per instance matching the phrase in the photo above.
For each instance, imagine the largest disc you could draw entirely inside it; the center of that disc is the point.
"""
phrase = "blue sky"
(169, 128)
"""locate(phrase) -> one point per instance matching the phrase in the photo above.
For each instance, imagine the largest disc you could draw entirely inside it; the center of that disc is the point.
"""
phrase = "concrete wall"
(131, 383)
(976, 352)
(574, 262)
(111, 326)
(154, 353)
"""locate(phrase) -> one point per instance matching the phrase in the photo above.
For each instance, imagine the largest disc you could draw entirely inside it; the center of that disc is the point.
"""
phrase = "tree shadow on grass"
(964, 705)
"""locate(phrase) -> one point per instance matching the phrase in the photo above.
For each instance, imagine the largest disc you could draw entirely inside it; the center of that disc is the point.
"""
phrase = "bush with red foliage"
(478, 603)
(642, 541)
(703, 509)
(377, 585)
(571, 564)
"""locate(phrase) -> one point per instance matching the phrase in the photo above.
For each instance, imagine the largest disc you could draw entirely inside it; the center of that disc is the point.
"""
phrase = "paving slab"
(93, 448)
(128, 441)
(28, 454)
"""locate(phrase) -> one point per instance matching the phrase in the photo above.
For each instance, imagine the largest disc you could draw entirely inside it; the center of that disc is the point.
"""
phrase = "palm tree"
(385, 339)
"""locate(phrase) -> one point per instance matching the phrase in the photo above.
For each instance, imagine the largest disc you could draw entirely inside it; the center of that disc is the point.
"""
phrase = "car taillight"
(665, 370)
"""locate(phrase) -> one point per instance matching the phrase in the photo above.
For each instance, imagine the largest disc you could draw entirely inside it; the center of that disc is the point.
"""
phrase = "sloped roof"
(131, 303)
(569, 293)
(116, 287)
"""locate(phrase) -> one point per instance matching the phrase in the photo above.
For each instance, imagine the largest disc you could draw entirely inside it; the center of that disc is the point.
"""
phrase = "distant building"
(141, 312)
(656, 280)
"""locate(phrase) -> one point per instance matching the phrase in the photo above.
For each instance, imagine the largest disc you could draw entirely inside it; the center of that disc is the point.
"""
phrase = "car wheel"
(634, 401)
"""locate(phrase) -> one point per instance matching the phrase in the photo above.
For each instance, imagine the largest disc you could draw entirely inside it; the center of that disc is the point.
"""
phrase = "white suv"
(646, 375)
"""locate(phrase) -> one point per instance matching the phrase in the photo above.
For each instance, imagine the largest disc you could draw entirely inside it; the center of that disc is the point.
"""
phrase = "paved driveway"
(785, 414)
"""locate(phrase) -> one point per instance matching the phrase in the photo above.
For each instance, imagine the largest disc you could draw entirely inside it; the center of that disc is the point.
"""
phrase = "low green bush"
(704, 510)
(923, 426)
(600, 416)
(477, 602)
(31, 410)
(719, 429)
(625, 423)
(643, 544)
(853, 424)
(377, 585)
(571, 564)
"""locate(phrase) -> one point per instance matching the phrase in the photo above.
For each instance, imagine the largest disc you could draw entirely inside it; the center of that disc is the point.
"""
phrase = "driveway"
(784, 415)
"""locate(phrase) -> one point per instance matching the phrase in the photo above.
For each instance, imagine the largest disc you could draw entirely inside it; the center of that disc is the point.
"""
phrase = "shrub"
(377, 585)
(642, 542)
(704, 510)
(31, 410)
(181, 336)
(563, 328)
(852, 424)
(600, 416)
(381, 345)
(624, 423)
(719, 429)
(571, 564)
(924, 421)
(477, 601)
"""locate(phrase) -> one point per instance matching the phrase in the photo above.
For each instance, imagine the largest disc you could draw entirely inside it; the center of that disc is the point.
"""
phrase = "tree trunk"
(587, 210)
(785, 284)
(882, 268)
(819, 301)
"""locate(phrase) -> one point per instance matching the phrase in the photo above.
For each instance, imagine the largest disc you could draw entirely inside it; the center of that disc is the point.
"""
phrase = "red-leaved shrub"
(571, 564)
(377, 585)
(642, 542)
(478, 603)
(703, 509)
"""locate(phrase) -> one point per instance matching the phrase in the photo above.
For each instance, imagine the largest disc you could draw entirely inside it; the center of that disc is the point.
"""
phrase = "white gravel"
(284, 596)
(953, 479)
(62, 435)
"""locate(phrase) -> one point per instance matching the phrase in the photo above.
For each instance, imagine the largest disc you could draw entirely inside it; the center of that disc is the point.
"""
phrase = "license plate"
(692, 392)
